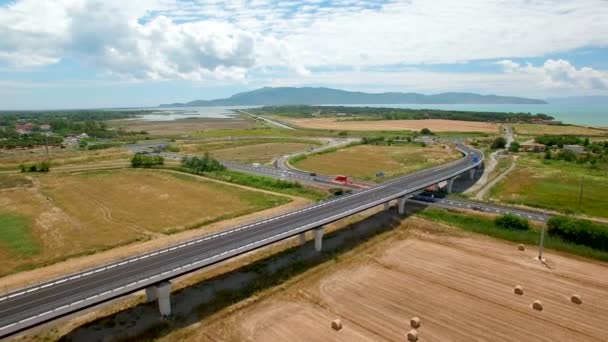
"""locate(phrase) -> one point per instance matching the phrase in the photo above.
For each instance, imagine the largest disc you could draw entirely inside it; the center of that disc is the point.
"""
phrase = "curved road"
(35, 305)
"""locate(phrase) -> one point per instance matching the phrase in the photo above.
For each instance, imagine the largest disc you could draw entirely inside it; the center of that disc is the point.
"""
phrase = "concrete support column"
(163, 292)
(302, 238)
(151, 293)
(472, 174)
(402, 205)
(387, 205)
(450, 185)
(318, 239)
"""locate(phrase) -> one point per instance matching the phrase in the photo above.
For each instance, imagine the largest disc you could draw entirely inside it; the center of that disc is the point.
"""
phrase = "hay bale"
(521, 247)
(412, 335)
(415, 322)
(576, 299)
(336, 324)
(537, 305)
(518, 290)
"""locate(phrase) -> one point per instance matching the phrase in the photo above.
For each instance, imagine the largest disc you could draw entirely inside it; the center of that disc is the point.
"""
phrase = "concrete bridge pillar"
(163, 291)
(450, 185)
(319, 239)
(387, 205)
(160, 292)
(302, 238)
(402, 205)
(472, 174)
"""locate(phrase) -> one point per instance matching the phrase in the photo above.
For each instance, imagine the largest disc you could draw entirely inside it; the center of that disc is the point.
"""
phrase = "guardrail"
(131, 284)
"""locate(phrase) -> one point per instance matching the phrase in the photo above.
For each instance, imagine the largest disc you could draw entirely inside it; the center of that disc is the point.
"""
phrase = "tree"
(548, 154)
(514, 147)
(586, 142)
(343, 134)
(426, 131)
(499, 143)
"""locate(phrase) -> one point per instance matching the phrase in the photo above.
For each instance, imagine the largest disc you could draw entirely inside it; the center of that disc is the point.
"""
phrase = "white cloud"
(560, 74)
(228, 39)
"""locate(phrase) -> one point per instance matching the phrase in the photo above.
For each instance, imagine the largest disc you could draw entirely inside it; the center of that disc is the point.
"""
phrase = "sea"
(587, 115)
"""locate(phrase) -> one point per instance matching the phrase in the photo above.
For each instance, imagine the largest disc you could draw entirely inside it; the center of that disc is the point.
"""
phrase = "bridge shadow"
(463, 182)
(193, 303)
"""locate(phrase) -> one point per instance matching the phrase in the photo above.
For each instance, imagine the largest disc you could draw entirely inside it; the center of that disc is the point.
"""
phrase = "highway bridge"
(153, 271)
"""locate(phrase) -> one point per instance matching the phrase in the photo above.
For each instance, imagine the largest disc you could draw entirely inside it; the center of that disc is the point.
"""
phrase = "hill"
(322, 96)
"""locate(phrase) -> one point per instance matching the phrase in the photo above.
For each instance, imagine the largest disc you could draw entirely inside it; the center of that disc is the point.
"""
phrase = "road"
(272, 122)
(31, 306)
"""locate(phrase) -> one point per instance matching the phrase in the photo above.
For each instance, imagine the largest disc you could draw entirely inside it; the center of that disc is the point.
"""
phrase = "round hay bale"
(412, 335)
(415, 322)
(521, 247)
(518, 290)
(336, 324)
(537, 305)
(576, 299)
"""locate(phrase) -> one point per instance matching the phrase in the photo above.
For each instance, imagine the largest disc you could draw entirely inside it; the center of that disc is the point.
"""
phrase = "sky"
(129, 53)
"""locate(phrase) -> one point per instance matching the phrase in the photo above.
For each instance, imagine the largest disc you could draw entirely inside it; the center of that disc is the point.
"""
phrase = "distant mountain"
(320, 96)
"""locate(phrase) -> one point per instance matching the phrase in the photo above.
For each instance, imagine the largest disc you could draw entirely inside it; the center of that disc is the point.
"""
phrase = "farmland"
(183, 126)
(435, 125)
(535, 129)
(555, 185)
(364, 161)
(445, 277)
(64, 215)
(10, 160)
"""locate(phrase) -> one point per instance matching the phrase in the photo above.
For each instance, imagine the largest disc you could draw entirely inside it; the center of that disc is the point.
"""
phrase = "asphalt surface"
(35, 305)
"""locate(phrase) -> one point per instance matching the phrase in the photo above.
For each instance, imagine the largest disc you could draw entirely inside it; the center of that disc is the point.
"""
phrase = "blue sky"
(114, 53)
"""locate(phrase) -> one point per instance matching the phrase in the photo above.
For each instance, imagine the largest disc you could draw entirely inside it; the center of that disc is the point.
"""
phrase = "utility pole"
(46, 142)
(542, 238)
(580, 194)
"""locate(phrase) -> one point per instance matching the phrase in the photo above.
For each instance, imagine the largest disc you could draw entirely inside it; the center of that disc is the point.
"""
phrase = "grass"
(534, 129)
(364, 161)
(84, 213)
(270, 184)
(12, 181)
(16, 235)
(260, 153)
(486, 226)
(555, 185)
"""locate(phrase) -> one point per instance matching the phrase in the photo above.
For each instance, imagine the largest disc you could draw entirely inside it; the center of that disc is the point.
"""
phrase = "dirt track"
(461, 288)
(396, 125)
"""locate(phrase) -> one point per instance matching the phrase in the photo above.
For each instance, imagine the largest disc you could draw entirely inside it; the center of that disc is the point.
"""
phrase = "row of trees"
(145, 161)
(582, 232)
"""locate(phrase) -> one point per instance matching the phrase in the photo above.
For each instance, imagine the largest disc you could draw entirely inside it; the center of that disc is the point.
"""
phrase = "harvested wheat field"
(260, 153)
(364, 161)
(534, 129)
(182, 126)
(56, 216)
(435, 125)
(461, 288)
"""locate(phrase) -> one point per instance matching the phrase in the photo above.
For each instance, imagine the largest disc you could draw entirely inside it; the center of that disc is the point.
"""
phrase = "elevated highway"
(152, 271)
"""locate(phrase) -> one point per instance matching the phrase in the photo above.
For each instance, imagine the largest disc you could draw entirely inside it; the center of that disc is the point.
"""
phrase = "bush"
(140, 160)
(514, 147)
(43, 166)
(583, 232)
(426, 131)
(510, 221)
(202, 164)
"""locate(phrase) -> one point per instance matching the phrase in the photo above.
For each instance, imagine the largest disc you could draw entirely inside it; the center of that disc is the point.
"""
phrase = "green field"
(555, 185)
(16, 236)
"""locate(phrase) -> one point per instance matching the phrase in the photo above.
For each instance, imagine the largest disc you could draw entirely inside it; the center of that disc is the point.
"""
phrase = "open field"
(74, 214)
(183, 126)
(394, 125)
(10, 160)
(534, 129)
(364, 161)
(555, 185)
(449, 281)
(248, 150)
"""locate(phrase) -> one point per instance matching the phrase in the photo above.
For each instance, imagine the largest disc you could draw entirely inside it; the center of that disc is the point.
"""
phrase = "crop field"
(555, 185)
(10, 160)
(63, 215)
(394, 125)
(249, 150)
(364, 161)
(534, 129)
(447, 279)
(183, 126)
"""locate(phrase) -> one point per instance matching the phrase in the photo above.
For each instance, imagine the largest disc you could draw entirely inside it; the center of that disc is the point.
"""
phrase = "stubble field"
(65, 215)
(434, 125)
